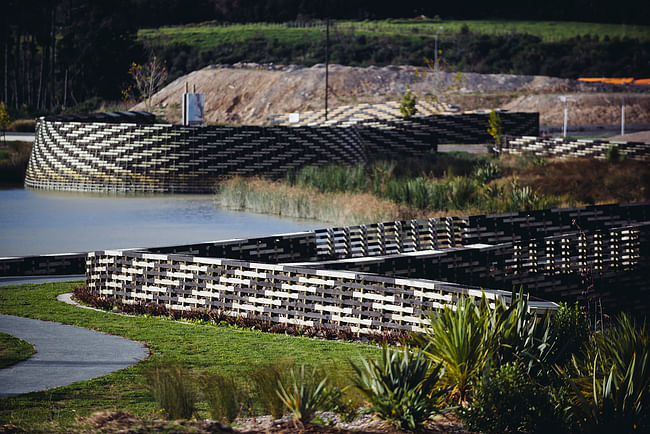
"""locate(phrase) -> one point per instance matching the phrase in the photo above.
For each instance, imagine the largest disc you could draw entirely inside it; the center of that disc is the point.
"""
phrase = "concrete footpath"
(65, 354)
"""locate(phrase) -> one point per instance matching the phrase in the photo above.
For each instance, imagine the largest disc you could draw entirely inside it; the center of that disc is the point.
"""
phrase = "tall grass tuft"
(173, 390)
(225, 398)
(265, 379)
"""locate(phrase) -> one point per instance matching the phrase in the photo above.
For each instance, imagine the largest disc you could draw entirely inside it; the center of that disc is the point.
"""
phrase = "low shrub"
(569, 331)
(401, 387)
(22, 126)
(173, 390)
(509, 401)
(220, 317)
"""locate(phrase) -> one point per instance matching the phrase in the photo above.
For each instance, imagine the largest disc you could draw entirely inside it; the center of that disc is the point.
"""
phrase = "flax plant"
(460, 338)
(401, 387)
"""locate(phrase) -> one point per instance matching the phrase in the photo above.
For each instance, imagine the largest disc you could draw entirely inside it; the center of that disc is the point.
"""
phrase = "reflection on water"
(35, 222)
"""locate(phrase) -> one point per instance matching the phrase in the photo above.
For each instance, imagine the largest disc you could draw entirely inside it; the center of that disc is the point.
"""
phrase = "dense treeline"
(60, 53)
(153, 13)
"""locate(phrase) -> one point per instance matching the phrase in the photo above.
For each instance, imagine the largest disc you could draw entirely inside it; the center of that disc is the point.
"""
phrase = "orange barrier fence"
(624, 80)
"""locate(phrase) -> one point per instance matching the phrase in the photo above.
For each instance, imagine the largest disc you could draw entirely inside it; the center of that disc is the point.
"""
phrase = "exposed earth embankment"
(250, 93)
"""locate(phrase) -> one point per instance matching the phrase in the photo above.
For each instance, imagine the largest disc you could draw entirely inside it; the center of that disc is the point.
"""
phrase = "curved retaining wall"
(98, 156)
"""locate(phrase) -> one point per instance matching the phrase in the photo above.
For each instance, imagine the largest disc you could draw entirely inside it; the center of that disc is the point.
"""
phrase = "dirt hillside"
(250, 93)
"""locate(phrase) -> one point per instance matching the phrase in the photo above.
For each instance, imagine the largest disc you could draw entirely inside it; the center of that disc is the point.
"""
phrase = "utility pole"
(623, 116)
(566, 112)
(327, 61)
(435, 54)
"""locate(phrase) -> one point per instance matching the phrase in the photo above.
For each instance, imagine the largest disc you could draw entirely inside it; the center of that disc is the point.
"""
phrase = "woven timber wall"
(571, 148)
(303, 296)
(616, 260)
(542, 252)
(441, 122)
(351, 114)
(164, 158)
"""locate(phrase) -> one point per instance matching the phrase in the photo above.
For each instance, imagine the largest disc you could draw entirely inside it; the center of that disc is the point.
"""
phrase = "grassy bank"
(561, 49)
(449, 184)
(13, 161)
(13, 350)
(212, 34)
(198, 348)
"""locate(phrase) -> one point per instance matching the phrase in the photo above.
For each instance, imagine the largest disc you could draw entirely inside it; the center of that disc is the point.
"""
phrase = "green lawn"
(201, 348)
(13, 350)
(209, 35)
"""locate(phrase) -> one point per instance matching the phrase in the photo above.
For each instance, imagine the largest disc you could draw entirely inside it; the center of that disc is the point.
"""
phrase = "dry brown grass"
(590, 181)
(269, 197)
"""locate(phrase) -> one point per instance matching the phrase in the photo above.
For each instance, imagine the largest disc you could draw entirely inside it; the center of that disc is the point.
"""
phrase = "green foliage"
(5, 119)
(225, 398)
(495, 127)
(401, 387)
(13, 350)
(336, 402)
(303, 393)
(510, 401)
(611, 380)
(407, 106)
(613, 153)
(265, 379)
(460, 339)
(486, 172)
(463, 192)
(173, 390)
(569, 331)
(14, 161)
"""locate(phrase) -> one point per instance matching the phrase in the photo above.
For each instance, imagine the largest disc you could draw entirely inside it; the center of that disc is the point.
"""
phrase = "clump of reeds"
(277, 198)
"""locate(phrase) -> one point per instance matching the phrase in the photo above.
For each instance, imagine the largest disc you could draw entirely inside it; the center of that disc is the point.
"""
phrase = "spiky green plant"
(304, 394)
(611, 380)
(460, 338)
(401, 387)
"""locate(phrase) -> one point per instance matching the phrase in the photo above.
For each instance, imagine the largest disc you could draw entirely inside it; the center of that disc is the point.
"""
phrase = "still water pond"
(38, 222)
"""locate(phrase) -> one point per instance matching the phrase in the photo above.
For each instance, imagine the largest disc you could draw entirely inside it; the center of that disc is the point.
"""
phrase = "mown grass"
(212, 35)
(198, 348)
(13, 350)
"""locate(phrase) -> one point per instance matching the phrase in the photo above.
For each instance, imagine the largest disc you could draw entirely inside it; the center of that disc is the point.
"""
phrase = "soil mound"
(250, 93)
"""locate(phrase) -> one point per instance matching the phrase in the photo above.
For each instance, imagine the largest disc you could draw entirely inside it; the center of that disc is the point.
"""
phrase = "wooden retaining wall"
(559, 267)
(563, 148)
(302, 296)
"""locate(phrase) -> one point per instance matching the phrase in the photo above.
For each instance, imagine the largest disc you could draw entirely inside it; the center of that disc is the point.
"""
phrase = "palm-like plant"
(401, 387)
(304, 395)
(460, 338)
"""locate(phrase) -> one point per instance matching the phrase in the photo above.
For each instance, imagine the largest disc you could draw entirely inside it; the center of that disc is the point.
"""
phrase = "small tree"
(407, 107)
(5, 120)
(495, 127)
(148, 79)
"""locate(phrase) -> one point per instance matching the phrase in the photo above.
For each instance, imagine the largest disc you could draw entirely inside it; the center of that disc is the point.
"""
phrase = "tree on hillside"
(147, 80)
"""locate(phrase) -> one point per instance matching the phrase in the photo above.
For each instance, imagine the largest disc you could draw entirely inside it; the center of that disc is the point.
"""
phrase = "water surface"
(35, 222)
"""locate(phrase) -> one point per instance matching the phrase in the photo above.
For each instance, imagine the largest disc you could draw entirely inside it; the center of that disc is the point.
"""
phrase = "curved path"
(65, 354)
